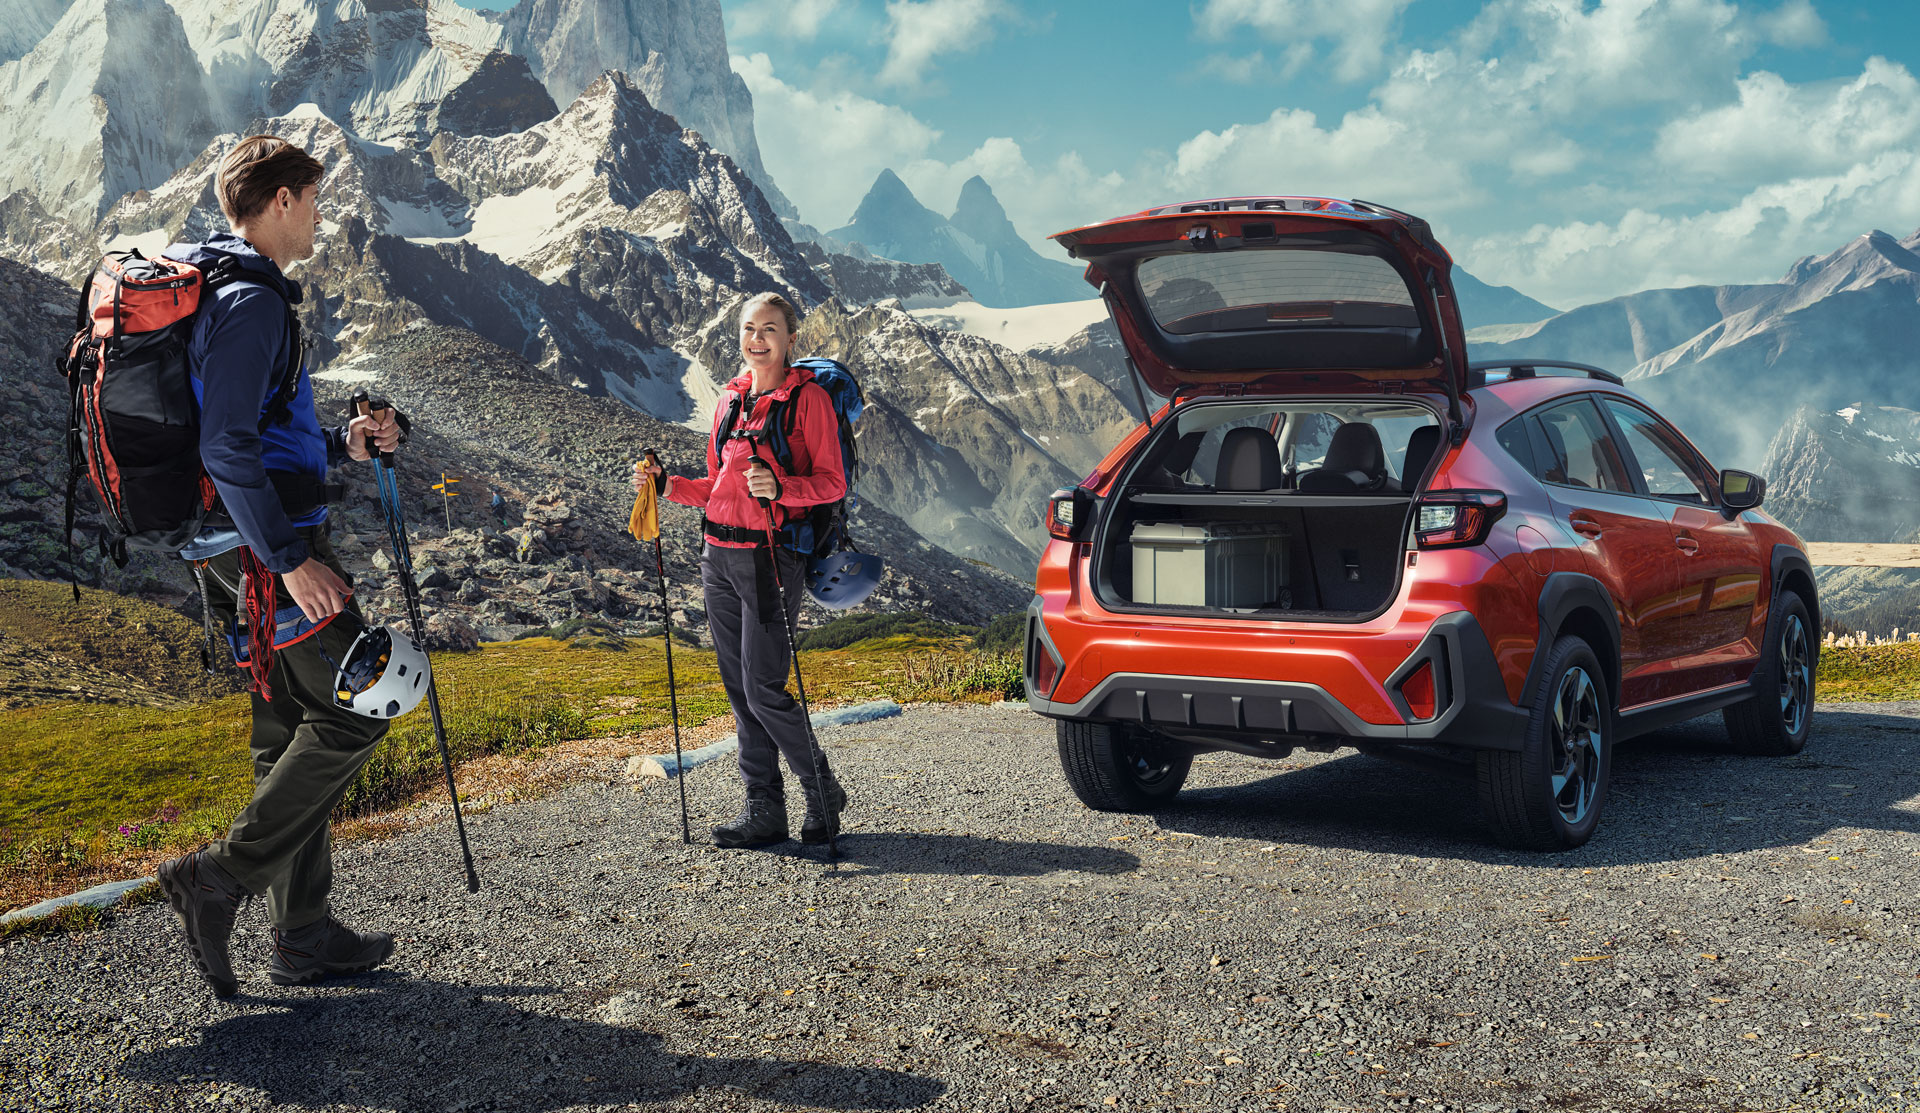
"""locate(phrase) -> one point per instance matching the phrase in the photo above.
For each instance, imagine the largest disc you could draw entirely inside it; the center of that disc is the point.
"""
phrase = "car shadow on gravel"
(869, 854)
(1676, 794)
(407, 1045)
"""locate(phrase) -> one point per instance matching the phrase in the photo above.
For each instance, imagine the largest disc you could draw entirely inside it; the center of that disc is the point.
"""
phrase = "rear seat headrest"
(1249, 461)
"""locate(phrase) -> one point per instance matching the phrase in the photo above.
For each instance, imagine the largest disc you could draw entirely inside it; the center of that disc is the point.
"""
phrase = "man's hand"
(760, 481)
(316, 590)
(385, 431)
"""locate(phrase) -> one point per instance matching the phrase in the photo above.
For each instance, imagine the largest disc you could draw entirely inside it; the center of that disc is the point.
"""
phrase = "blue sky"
(1573, 148)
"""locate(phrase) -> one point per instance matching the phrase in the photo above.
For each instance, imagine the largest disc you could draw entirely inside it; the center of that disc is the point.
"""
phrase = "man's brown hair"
(252, 174)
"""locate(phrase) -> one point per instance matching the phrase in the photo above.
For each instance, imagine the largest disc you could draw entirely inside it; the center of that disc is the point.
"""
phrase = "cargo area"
(1297, 511)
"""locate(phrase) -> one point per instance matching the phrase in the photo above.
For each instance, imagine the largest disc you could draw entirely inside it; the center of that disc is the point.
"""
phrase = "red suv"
(1339, 532)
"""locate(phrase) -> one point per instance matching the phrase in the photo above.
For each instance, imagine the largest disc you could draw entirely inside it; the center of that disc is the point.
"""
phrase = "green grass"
(1871, 673)
(87, 784)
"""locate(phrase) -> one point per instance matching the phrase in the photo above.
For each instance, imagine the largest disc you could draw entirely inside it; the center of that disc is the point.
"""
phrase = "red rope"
(256, 593)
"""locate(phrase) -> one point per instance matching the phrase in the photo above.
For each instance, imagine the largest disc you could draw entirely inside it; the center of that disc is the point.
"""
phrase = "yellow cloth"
(645, 522)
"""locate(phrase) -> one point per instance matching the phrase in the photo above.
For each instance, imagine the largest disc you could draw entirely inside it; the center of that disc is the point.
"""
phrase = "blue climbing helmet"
(843, 578)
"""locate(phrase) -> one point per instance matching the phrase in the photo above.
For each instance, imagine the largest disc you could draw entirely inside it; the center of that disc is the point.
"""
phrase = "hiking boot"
(823, 808)
(762, 822)
(205, 899)
(323, 949)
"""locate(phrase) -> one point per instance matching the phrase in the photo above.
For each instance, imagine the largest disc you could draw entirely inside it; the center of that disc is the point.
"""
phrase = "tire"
(1778, 719)
(1114, 769)
(1550, 793)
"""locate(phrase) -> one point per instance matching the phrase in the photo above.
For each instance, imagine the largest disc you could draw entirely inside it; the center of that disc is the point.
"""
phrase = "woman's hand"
(644, 473)
(760, 481)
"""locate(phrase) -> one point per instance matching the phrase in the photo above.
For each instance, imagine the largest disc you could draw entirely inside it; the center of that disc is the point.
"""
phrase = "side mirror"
(1741, 490)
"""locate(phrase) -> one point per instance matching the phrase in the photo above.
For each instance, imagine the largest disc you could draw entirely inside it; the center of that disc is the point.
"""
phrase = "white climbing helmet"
(383, 676)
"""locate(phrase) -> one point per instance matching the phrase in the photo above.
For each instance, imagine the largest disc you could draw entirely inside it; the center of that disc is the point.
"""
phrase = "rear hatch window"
(1257, 290)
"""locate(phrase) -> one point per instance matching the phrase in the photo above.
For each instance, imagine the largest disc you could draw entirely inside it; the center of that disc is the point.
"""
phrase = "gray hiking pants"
(751, 639)
(306, 751)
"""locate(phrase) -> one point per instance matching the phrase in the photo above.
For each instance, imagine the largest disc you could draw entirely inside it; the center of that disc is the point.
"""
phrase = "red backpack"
(133, 420)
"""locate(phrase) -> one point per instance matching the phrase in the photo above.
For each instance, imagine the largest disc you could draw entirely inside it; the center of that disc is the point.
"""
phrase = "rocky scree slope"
(558, 456)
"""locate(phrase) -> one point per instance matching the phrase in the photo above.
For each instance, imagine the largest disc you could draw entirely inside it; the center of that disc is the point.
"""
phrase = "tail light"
(1444, 519)
(1417, 690)
(1067, 513)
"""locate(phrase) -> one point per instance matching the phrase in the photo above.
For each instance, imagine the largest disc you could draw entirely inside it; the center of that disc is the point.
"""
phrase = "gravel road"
(1329, 933)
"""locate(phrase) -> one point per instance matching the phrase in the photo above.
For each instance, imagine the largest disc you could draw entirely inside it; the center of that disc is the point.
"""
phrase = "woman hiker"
(736, 568)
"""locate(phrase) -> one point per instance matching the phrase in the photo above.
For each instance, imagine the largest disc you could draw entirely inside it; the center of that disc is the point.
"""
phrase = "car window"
(1514, 437)
(1259, 289)
(1576, 449)
(1665, 462)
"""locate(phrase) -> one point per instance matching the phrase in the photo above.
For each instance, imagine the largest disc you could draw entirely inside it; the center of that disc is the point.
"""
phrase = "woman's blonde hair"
(782, 304)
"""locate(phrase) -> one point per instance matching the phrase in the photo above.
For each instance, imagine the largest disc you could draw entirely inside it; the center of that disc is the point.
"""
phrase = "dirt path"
(1328, 933)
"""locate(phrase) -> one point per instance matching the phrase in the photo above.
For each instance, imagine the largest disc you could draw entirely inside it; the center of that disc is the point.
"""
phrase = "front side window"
(1576, 449)
(1665, 462)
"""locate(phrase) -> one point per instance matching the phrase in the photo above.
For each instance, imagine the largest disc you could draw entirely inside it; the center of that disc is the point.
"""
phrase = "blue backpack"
(824, 530)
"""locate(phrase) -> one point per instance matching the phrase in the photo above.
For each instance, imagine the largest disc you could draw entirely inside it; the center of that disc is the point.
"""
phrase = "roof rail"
(1526, 368)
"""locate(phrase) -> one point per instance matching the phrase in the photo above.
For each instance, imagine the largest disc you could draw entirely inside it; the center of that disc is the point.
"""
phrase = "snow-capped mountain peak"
(86, 119)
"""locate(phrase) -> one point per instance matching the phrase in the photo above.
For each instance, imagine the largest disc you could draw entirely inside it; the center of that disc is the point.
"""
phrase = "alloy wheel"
(1577, 738)
(1796, 676)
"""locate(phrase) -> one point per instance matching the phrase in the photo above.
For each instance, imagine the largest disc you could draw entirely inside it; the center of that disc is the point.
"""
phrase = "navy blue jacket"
(237, 355)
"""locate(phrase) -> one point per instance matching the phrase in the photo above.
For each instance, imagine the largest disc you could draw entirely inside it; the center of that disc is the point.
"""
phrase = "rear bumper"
(1475, 712)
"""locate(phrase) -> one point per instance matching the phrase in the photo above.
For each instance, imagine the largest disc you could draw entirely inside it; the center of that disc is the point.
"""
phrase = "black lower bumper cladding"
(1473, 709)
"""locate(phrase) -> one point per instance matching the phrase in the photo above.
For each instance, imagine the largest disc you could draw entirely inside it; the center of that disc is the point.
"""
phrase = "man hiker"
(267, 560)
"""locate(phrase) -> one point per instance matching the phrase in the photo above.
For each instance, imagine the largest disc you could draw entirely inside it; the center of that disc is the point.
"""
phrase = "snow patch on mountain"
(26, 24)
(1020, 328)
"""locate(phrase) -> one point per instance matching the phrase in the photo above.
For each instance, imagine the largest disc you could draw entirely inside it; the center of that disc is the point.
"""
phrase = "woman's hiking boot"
(205, 899)
(762, 822)
(323, 949)
(825, 801)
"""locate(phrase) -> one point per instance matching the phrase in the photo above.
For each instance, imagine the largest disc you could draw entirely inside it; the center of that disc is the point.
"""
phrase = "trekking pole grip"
(365, 407)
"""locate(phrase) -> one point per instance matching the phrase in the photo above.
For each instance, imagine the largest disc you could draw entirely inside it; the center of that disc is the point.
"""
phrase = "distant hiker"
(498, 505)
(736, 568)
(268, 561)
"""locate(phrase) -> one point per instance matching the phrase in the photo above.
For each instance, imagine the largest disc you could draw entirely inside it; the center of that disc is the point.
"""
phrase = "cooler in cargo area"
(1211, 564)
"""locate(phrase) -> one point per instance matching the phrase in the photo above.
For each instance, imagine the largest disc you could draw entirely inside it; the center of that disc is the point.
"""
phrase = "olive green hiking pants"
(306, 751)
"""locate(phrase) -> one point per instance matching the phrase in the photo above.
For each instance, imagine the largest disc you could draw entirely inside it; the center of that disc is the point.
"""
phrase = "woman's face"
(764, 339)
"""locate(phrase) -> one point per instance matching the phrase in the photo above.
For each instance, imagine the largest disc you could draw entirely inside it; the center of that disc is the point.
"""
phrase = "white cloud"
(1358, 29)
(797, 19)
(1753, 240)
(826, 148)
(918, 31)
(1777, 129)
(1794, 23)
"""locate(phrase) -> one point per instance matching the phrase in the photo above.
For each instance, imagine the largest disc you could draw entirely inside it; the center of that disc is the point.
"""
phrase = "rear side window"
(1265, 289)
(1518, 443)
(1575, 449)
(1665, 461)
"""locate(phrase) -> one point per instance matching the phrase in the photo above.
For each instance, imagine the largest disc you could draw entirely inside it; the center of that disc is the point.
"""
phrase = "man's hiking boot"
(762, 822)
(323, 949)
(823, 808)
(205, 899)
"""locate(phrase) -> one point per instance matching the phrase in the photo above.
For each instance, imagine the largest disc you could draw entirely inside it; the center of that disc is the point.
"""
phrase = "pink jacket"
(815, 444)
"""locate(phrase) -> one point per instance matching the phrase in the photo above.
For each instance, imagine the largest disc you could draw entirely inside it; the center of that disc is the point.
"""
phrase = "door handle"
(1585, 526)
(1687, 545)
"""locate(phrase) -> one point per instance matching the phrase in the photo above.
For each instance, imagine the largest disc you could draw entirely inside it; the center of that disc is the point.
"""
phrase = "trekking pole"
(387, 476)
(793, 649)
(673, 700)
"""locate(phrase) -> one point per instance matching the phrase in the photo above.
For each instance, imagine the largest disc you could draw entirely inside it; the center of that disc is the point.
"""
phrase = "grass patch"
(851, 630)
(1869, 673)
(969, 678)
(79, 917)
(86, 786)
